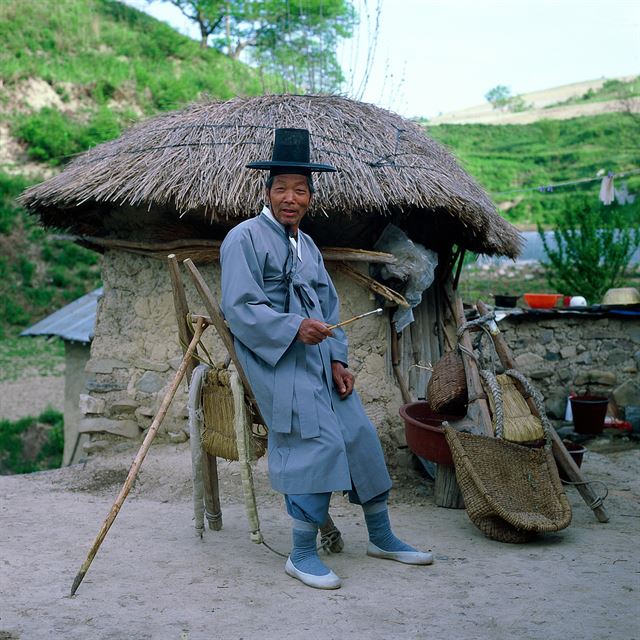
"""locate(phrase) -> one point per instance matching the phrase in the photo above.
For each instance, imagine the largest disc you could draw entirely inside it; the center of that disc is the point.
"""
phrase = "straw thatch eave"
(192, 162)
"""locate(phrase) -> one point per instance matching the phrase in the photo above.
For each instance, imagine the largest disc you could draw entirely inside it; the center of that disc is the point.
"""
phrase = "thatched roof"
(192, 162)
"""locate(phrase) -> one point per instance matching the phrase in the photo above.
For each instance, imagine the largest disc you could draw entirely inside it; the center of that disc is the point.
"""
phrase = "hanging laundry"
(623, 196)
(607, 190)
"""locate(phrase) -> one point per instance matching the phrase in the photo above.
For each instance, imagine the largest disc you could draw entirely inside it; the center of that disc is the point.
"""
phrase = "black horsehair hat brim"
(280, 165)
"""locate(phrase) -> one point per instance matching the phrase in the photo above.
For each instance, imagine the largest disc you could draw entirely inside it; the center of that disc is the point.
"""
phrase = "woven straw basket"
(511, 492)
(447, 388)
(218, 434)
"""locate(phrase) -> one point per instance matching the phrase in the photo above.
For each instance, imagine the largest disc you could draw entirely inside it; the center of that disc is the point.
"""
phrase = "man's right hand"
(313, 331)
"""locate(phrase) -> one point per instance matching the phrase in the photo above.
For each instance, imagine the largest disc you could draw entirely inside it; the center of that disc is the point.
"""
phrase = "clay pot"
(576, 451)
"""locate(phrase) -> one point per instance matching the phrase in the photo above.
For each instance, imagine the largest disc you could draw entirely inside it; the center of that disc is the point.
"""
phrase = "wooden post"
(446, 492)
(562, 456)
(395, 363)
(210, 483)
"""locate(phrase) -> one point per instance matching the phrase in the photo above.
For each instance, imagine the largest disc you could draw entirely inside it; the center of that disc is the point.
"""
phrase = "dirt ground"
(153, 578)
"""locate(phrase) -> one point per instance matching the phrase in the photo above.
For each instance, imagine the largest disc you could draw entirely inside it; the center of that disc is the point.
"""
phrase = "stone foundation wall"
(135, 354)
(583, 354)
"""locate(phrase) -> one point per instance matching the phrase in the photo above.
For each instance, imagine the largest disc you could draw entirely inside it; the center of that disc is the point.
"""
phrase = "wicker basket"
(447, 388)
(511, 492)
(218, 435)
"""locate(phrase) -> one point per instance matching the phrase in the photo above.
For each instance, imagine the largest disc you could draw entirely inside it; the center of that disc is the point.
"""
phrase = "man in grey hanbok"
(279, 301)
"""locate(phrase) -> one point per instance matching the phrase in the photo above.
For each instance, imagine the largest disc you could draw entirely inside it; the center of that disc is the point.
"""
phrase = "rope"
(599, 500)
(496, 392)
(325, 543)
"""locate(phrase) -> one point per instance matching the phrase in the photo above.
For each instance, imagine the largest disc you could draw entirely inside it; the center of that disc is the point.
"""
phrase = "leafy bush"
(10, 188)
(593, 251)
(54, 137)
(13, 457)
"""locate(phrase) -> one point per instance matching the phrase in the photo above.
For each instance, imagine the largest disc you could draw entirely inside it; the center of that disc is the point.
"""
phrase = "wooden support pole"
(217, 318)
(137, 462)
(562, 456)
(446, 492)
(477, 409)
(395, 363)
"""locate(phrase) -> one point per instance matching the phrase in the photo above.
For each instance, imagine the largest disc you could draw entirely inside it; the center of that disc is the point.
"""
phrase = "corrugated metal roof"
(74, 322)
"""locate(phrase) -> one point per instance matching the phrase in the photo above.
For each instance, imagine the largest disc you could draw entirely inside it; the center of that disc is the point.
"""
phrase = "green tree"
(498, 97)
(293, 40)
(207, 14)
(594, 245)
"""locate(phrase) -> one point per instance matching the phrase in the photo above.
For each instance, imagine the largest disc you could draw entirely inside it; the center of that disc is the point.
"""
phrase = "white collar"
(294, 241)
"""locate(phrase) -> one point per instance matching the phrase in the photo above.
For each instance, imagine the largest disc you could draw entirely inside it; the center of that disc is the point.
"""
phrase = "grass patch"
(32, 443)
(40, 356)
(38, 273)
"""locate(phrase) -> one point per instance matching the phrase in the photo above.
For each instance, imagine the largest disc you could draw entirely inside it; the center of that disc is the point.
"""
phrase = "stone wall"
(135, 353)
(582, 353)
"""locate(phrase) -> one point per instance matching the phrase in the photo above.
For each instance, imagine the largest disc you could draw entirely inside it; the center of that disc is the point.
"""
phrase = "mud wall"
(135, 354)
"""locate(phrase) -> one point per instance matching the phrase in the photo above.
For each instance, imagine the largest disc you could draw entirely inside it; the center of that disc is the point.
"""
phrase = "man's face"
(290, 198)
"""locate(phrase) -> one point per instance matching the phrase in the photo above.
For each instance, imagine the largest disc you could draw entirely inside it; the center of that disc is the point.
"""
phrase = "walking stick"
(133, 471)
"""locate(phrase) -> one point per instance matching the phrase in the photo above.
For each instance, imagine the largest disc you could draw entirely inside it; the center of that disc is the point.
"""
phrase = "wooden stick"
(395, 363)
(185, 331)
(133, 471)
(217, 319)
(209, 250)
(350, 320)
(560, 453)
(477, 409)
(372, 285)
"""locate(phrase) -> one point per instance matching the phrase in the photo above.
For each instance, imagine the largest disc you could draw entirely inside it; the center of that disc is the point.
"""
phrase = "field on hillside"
(517, 164)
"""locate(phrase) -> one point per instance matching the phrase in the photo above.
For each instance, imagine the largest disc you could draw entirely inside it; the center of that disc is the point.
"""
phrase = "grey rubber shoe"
(328, 581)
(406, 557)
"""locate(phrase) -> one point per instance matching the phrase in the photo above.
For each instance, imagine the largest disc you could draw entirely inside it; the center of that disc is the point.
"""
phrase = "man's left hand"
(342, 378)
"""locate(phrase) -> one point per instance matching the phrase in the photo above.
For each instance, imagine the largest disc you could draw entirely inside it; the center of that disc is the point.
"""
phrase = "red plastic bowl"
(425, 435)
(542, 300)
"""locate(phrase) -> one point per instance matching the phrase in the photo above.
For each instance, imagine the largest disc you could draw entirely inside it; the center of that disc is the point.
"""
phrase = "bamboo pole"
(135, 466)
(560, 453)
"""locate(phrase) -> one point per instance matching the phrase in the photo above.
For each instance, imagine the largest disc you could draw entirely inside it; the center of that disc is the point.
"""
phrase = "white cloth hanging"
(607, 190)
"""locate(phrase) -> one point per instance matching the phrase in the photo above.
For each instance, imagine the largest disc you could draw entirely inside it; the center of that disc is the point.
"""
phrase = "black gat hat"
(290, 155)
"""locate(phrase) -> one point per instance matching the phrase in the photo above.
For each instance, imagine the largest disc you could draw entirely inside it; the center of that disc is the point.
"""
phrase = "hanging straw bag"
(218, 434)
(511, 492)
(447, 388)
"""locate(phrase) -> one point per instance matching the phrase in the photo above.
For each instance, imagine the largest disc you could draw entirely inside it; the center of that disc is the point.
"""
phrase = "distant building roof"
(74, 322)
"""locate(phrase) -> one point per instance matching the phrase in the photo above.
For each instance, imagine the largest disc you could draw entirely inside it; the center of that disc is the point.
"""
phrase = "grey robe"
(317, 441)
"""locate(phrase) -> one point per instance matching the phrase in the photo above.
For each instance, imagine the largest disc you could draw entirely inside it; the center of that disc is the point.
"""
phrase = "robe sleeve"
(330, 305)
(248, 311)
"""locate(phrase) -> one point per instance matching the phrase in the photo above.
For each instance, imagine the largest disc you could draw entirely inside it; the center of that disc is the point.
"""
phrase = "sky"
(437, 56)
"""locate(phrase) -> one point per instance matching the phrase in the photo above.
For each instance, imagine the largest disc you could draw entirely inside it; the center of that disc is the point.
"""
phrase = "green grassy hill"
(75, 73)
(513, 161)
